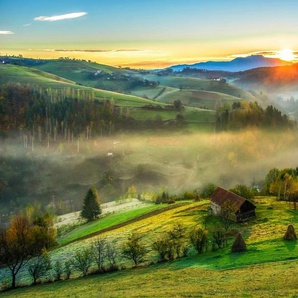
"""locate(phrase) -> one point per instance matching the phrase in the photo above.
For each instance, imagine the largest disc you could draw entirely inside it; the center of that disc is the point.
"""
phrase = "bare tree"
(83, 260)
(99, 249)
(111, 256)
(39, 265)
(228, 214)
(68, 268)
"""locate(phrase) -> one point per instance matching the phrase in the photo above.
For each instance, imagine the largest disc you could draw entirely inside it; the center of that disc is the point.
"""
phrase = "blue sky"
(162, 31)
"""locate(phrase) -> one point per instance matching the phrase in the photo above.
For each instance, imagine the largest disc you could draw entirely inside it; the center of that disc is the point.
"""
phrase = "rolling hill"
(28, 75)
(181, 83)
(272, 80)
(141, 83)
(264, 269)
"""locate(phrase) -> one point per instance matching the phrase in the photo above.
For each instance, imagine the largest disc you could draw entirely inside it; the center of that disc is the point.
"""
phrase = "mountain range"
(235, 65)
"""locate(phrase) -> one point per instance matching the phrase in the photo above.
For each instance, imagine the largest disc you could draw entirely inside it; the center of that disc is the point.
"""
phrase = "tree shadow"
(290, 244)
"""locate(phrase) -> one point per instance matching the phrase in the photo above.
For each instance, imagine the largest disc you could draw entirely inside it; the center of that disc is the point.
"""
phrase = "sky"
(149, 33)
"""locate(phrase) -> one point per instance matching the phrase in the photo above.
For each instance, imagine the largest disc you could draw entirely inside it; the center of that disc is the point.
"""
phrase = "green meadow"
(267, 269)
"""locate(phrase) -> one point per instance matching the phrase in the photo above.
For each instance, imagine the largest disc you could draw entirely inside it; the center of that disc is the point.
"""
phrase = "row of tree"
(46, 114)
(283, 184)
(250, 114)
(105, 255)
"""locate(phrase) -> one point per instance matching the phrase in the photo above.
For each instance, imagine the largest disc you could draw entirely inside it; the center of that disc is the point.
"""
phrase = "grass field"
(34, 77)
(201, 84)
(267, 269)
(201, 99)
(177, 280)
(106, 222)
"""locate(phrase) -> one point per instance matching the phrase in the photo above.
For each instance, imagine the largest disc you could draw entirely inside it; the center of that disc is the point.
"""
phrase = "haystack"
(239, 244)
(290, 234)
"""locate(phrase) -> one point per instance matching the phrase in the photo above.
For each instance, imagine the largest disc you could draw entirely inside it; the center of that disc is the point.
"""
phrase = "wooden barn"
(239, 209)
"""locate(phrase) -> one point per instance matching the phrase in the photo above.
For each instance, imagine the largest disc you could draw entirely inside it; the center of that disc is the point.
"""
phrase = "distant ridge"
(235, 65)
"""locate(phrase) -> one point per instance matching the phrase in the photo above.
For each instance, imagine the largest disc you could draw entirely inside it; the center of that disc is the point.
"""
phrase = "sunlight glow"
(286, 54)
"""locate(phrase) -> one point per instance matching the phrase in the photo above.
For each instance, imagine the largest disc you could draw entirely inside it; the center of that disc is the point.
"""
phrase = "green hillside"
(133, 81)
(201, 99)
(134, 106)
(201, 84)
(267, 269)
(25, 75)
(96, 75)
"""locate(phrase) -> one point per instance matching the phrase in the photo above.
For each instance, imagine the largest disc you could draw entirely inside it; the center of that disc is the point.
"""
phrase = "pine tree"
(91, 208)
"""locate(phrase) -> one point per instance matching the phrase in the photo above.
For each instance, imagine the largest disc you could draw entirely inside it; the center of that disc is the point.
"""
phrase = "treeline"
(45, 114)
(250, 114)
(104, 255)
(283, 184)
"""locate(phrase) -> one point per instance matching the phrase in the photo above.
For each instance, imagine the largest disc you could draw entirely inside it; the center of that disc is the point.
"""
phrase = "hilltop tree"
(91, 208)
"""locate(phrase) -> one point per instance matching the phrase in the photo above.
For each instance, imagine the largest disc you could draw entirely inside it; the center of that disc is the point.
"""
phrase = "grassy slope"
(25, 75)
(83, 72)
(201, 84)
(175, 280)
(267, 269)
(196, 98)
(106, 223)
(78, 71)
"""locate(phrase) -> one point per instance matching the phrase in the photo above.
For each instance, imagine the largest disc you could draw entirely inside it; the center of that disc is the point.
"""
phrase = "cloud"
(6, 32)
(73, 15)
(95, 51)
(26, 25)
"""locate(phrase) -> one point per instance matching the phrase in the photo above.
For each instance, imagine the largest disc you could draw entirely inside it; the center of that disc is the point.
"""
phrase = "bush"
(208, 190)
(57, 270)
(199, 239)
(218, 239)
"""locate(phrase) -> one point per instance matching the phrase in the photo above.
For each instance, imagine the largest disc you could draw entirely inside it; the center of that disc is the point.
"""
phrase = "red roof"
(220, 196)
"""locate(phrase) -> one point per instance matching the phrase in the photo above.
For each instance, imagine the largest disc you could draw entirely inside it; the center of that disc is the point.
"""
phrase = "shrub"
(218, 239)
(199, 239)
(208, 190)
(57, 270)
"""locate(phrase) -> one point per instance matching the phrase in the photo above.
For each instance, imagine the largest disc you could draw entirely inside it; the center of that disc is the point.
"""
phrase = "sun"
(286, 54)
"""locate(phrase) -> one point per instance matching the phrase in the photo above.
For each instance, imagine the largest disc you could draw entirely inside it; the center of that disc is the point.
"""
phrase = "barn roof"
(220, 196)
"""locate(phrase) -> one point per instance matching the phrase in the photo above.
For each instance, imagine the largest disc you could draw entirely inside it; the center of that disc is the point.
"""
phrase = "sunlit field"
(267, 268)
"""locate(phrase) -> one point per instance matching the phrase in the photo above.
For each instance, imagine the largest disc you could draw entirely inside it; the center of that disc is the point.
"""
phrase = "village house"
(239, 209)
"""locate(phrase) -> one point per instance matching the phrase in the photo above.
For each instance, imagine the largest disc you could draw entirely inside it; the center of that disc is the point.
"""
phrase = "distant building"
(239, 208)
